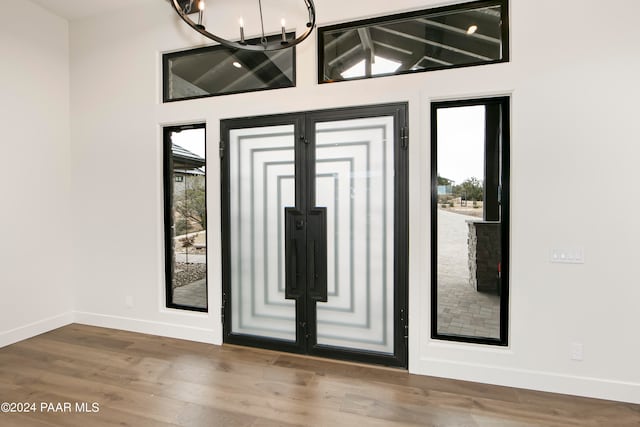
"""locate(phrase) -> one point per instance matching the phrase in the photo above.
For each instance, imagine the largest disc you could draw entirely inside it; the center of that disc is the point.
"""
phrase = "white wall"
(573, 81)
(35, 285)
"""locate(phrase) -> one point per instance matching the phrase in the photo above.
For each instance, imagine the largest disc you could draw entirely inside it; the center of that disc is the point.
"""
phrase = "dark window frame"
(167, 160)
(460, 7)
(166, 57)
(505, 103)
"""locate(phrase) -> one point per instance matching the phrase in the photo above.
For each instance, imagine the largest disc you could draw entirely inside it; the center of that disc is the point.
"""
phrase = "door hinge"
(224, 302)
(404, 137)
(221, 148)
(404, 321)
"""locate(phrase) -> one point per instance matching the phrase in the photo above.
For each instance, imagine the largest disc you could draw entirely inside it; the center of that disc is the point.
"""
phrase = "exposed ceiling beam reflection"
(396, 48)
(272, 82)
(460, 31)
(491, 11)
(214, 70)
(275, 55)
(338, 39)
(367, 44)
(344, 55)
(432, 43)
(431, 58)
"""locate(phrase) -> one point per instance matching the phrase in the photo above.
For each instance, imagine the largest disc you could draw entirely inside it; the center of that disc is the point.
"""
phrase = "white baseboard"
(163, 329)
(36, 328)
(489, 374)
(529, 379)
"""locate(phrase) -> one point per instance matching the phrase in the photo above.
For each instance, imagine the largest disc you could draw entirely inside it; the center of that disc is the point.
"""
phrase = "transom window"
(454, 36)
(219, 70)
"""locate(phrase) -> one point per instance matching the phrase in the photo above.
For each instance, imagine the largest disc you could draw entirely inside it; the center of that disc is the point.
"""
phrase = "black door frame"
(306, 332)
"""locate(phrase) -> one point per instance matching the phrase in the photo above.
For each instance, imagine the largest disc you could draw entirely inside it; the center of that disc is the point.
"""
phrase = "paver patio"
(461, 310)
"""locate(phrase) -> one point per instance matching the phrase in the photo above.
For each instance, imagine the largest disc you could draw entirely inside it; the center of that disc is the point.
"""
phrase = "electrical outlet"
(577, 350)
(128, 301)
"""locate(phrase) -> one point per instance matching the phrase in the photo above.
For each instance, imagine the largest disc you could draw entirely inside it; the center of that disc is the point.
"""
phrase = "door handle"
(317, 253)
(295, 256)
(306, 253)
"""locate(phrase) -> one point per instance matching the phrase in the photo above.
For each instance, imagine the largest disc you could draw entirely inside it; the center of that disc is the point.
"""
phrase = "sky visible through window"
(461, 143)
(380, 66)
(192, 140)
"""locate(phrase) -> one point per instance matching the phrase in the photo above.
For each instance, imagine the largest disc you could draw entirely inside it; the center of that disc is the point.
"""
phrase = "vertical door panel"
(261, 185)
(354, 163)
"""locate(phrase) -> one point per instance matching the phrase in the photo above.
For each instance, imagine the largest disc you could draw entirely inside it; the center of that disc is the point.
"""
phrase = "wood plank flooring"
(141, 380)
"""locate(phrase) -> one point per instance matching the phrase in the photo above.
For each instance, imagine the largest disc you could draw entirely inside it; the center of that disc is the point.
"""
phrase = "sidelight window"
(470, 220)
(185, 217)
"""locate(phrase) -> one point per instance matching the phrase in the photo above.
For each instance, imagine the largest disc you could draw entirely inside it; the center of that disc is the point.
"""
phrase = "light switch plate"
(567, 255)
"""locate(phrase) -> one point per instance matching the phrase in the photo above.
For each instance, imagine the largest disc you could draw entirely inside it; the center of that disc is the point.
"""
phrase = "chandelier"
(188, 8)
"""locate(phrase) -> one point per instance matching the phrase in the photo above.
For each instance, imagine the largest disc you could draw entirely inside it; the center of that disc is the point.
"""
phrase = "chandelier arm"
(263, 40)
(258, 48)
(311, 11)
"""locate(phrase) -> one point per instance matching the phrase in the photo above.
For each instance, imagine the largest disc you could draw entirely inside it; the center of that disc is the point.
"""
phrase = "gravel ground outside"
(188, 273)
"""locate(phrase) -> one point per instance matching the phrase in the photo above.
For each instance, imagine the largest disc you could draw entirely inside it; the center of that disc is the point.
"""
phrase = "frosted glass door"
(261, 185)
(315, 232)
(354, 162)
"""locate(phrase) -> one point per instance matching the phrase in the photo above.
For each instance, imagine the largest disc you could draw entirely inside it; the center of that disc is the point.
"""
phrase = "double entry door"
(314, 212)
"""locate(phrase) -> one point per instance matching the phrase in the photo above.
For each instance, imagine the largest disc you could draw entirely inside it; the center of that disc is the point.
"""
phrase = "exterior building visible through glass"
(186, 218)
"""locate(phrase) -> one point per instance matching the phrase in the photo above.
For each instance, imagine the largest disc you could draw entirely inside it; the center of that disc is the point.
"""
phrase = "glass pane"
(355, 182)
(189, 210)
(262, 184)
(468, 221)
(430, 39)
(218, 70)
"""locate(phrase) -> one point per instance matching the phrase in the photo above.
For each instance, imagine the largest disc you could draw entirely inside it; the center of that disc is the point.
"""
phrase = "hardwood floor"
(141, 380)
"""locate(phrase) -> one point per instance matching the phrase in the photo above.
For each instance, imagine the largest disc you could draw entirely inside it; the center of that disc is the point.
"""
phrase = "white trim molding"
(164, 329)
(30, 330)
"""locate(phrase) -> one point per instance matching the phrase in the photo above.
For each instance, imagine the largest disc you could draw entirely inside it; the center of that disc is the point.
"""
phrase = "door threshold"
(307, 357)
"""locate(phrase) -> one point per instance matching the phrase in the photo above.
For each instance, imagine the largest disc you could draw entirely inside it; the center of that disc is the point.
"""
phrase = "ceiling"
(78, 9)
